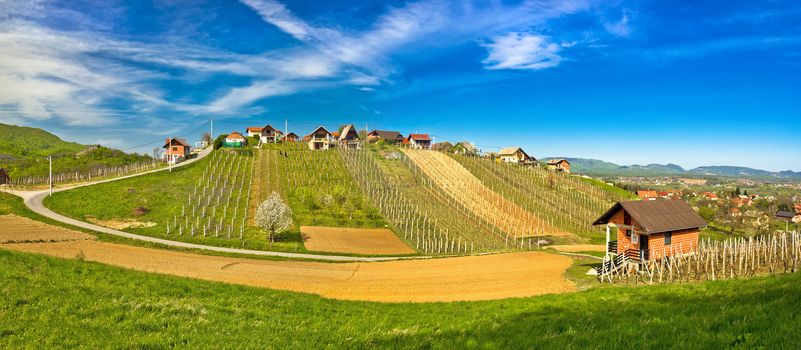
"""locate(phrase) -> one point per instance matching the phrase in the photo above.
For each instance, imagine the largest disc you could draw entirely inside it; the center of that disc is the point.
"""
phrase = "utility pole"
(50, 158)
(212, 130)
(286, 127)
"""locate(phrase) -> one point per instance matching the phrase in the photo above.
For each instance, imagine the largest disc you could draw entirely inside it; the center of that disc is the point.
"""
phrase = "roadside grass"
(56, 303)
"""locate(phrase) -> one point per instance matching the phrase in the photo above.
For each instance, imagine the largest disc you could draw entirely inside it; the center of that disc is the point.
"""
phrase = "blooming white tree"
(273, 215)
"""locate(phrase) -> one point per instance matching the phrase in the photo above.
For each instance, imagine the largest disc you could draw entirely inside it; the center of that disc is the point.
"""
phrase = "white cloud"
(522, 51)
(619, 28)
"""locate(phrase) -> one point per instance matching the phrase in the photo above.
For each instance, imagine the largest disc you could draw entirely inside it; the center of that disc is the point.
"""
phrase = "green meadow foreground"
(50, 302)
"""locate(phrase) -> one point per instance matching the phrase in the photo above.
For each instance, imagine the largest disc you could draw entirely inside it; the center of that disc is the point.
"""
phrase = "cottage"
(253, 131)
(349, 137)
(422, 141)
(465, 148)
(391, 137)
(559, 164)
(319, 139)
(175, 150)
(235, 140)
(270, 134)
(710, 196)
(4, 178)
(442, 146)
(515, 155)
(651, 230)
(290, 137)
(647, 195)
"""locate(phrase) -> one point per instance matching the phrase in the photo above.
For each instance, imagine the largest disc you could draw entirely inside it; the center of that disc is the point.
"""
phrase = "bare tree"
(273, 216)
(206, 137)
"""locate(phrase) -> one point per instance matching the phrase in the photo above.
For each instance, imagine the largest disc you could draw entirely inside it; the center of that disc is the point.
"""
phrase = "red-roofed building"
(253, 131)
(710, 196)
(235, 139)
(175, 150)
(647, 195)
(422, 141)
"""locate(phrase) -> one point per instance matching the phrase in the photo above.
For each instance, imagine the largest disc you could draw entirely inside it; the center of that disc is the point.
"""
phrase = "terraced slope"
(466, 189)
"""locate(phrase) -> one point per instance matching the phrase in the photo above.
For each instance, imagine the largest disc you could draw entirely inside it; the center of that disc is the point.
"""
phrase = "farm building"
(269, 134)
(391, 137)
(290, 137)
(465, 148)
(651, 230)
(4, 178)
(235, 140)
(175, 150)
(319, 139)
(515, 155)
(421, 141)
(349, 137)
(253, 131)
(647, 195)
(559, 164)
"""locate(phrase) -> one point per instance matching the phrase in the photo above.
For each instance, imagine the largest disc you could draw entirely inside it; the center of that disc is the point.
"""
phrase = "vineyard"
(316, 185)
(420, 212)
(565, 202)
(218, 204)
(461, 185)
(98, 172)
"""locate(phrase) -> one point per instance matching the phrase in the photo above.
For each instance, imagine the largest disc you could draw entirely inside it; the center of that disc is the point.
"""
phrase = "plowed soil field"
(353, 240)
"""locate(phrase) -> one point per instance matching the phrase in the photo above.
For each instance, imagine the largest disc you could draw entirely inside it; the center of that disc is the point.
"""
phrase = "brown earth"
(574, 248)
(353, 240)
(19, 229)
(120, 224)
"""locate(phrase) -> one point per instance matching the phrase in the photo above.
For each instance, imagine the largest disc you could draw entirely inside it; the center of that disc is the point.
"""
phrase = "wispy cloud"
(620, 27)
(522, 51)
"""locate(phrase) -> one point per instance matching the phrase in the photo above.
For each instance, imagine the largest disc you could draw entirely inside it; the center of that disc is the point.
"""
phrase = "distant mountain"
(603, 168)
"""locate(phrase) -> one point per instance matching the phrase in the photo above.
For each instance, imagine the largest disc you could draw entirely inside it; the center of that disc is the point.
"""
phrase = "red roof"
(171, 140)
(647, 194)
(254, 128)
(419, 137)
(235, 136)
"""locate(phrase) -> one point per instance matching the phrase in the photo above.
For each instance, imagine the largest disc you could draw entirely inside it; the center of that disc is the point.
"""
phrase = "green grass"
(617, 192)
(54, 303)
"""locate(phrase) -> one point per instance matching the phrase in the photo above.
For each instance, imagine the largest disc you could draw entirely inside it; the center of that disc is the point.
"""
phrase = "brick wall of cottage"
(682, 241)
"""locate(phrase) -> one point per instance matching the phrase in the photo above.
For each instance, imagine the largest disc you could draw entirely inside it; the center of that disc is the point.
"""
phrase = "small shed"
(4, 178)
(648, 230)
(235, 140)
(559, 164)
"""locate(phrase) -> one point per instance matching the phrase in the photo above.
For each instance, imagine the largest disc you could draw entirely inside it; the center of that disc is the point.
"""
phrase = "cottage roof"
(320, 128)
(270, 128)
(508, 151)
(649, 194)
(557, 161)
(171, 140)
(419, 137)
(657, 216)
(235, 136)
(787, 215)
(387, 135)
(349, 129)
(254, 128)
(291, 134)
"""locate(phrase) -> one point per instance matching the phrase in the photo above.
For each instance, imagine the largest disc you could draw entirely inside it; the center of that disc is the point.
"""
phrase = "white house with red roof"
(421, 141)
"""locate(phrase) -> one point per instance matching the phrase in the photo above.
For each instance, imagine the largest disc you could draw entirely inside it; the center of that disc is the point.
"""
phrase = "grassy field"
(54, 303)
(163, 194)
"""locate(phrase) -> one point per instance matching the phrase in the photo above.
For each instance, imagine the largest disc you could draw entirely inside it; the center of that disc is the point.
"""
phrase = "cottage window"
(635, 238)
(668, 237)
(175, 149)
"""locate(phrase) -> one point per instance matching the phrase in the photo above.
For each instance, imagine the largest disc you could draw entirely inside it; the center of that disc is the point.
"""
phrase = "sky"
(631, 82)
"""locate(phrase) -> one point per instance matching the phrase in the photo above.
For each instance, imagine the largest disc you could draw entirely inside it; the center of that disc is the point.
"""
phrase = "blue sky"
(690, 83)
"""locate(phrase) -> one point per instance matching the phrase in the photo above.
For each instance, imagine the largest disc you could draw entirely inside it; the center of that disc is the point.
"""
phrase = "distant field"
(55, 303)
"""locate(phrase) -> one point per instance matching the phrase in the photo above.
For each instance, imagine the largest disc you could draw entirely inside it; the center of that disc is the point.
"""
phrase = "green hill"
(23, 151)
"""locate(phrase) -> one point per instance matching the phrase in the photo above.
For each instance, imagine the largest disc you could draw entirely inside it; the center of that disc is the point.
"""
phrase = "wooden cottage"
(559, 164)
(349, 137)
(515, 155)
(4, 178)
(421, 141)
(649, 230)
(391, 137)
(175, 150)
(235, 140)
(319, 139)
(270, 134)
(290, 137)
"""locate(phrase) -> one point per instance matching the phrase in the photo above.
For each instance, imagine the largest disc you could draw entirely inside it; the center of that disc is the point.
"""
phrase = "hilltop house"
(253, 131)
(175, 150)
(465, 148)
(651, 230)
(4, 178)
(319, 139)
(647, 195)
(421, 141)
(515, 155)
(235, 140)
(442, 146)
(290, 137)
(391, 137)
(559, 164)
(269, 134)
(349, 137)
